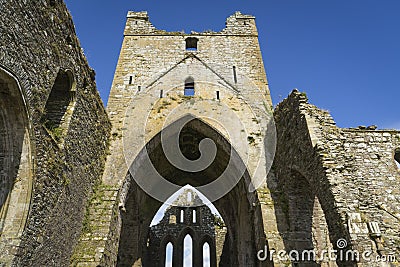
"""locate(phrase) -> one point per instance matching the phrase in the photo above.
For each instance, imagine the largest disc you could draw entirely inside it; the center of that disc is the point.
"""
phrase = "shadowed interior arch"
(15, 164)
(239, 208)
(58, 109)
(304, 227)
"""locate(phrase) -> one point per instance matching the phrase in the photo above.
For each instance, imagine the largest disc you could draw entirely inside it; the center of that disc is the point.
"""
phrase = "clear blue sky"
(345, 54)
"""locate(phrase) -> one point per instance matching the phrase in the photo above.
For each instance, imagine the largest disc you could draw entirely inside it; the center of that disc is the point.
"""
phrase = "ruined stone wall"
(37, 45)
(366, 161)
(171, 229)
(351, 173)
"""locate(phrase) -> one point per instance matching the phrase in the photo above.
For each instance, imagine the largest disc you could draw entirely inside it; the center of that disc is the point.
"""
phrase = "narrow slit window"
(182, 218)
(189, 87)
(217, 95)
(194, 216)
(191, 43)
(130, 79)
(161, 93)
(139, 88)
(234, 74)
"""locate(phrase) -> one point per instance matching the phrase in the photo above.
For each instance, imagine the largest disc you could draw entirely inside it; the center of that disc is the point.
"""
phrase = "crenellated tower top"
(138, 23)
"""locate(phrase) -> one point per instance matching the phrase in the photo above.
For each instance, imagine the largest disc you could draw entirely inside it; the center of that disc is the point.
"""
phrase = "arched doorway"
(305, 230)
(15, 165)
(239, 208)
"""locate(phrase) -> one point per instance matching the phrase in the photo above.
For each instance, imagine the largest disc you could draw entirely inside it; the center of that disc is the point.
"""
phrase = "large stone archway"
(239, 208)
(15, 165)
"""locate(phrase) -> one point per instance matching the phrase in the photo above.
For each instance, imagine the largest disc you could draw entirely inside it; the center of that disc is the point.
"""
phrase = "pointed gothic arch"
(169, 255)
(206, 229)
(212, 257)
(306, 220)
(60, 104)
(165, 254)
(188, 251)
(239, 208)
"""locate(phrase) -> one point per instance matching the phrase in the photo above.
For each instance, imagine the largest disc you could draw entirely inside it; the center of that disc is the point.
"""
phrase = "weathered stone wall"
(37, 44)
(372, 171)
(351, 172)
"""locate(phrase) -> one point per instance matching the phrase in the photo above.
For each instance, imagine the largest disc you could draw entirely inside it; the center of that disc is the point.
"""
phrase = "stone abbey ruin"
(77, 181)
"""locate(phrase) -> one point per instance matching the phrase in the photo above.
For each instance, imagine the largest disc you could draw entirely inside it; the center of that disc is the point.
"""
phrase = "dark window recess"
(234, 74)
(397, 156)
(130, 79)
(191, 43)
(69, 40)
(59, 100)
(139, 88)
(189, 87)
(161, 93)
(217, 95)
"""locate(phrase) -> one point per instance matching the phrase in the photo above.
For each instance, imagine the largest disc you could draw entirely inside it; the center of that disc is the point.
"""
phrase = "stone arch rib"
(16, 165)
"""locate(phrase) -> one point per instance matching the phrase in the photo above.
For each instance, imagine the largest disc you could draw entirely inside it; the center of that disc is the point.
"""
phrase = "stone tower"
(208, 85)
